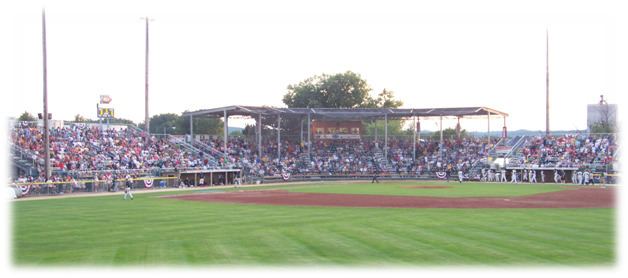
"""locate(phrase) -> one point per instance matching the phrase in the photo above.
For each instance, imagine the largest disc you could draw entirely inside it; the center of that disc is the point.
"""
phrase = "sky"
(212, 55)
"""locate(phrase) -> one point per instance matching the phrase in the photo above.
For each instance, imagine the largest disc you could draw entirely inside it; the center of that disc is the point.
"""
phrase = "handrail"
(516, 146)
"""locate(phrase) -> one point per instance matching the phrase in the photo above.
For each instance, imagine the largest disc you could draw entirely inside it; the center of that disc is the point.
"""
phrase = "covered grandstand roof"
(345, 113)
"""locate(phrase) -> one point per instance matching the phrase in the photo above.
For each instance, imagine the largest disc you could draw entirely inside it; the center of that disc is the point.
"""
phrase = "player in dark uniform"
(375, 175)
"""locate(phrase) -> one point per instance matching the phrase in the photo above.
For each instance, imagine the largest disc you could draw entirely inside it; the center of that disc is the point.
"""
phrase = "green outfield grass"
(455, 189)
(154, 231)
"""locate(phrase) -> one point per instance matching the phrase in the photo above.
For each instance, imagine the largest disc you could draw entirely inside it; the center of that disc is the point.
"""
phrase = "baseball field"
(408, 223)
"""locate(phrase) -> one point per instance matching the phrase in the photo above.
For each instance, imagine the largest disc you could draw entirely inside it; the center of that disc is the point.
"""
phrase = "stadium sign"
(106, 113)
(338, 136)
(105, 99)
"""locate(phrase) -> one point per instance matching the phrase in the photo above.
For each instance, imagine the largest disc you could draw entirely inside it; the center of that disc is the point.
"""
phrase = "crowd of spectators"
(110, 153)
(79, 148)
(356, 157)
(571, 151)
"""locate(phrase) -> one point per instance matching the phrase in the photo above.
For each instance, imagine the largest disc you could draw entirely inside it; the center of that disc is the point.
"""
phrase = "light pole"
(146, 119)
(45, 116)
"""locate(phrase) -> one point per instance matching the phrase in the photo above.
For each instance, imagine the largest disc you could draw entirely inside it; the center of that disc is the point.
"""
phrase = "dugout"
(210, 177)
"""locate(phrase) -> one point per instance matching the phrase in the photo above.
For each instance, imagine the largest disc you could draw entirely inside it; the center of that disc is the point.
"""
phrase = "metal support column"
(225, 133)
(504, 129)
(259, 136)
(301, 142)
(376, 129)
(191, 129)
(489, 129)
(278, 137)
(414, 139)
(441, 129)
(458, 129)
(309, 142)
(386, 136)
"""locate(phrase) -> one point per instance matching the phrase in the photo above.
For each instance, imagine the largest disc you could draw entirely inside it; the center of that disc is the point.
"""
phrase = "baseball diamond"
(248, 153)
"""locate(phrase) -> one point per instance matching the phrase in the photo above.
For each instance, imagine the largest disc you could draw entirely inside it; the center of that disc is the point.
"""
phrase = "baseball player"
(542, 176)
(580, 180)
(556, 176)
(587, 177)
(503, 175)
(460, 176)
(524, 175)
(532, 176)
(127, 189)
(513, 176)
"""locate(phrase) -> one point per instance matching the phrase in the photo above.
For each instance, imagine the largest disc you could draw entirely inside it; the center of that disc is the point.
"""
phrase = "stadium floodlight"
(45, 83)
(146, 118)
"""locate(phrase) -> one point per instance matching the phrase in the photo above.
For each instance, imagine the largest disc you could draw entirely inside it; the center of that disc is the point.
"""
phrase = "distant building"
(602, 112)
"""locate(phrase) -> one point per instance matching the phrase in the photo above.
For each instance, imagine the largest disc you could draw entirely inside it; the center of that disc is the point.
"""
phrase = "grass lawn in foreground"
(156, 231)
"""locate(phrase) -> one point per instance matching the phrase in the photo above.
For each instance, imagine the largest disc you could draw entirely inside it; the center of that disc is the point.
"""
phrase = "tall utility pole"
(146, 119)
(46, 131)
(547, 126)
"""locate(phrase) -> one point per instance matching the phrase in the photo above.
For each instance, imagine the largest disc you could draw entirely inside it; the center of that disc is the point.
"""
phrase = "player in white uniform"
(542, 176)
(483, 175)
(503, 174)
(497, 176)
(127, 189)
(532, 176)
(587, 177)
(524, 175)
(491, 175)
(513, 176)
(580, 180)
(460, 176)
(574, 177)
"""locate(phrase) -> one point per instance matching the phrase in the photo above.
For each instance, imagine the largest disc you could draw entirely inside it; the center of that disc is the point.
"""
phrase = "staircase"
(382, 162)
(213, 153)
(514, 151)
(23, 160)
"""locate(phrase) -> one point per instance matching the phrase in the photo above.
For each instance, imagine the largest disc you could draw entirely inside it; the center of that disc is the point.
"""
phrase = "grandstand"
(88, 152)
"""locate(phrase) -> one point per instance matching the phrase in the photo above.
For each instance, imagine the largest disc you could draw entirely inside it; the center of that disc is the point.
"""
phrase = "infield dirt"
(575, 198)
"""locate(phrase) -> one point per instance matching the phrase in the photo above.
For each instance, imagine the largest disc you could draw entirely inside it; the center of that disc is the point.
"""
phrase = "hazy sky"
(483, 53)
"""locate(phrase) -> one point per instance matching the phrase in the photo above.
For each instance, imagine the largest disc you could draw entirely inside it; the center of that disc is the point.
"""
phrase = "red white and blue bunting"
(441, 175)
(148, 183)
(25, 189)
(285, 176)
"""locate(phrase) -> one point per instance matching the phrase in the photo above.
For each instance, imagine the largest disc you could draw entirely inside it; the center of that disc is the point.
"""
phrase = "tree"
(201, 125)
(602, 127)
(164, 122)
(342, 90)
(385, 99)
(79, 118)
(449, 133)
(26, 117)
(175, 124)
(394, 128)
